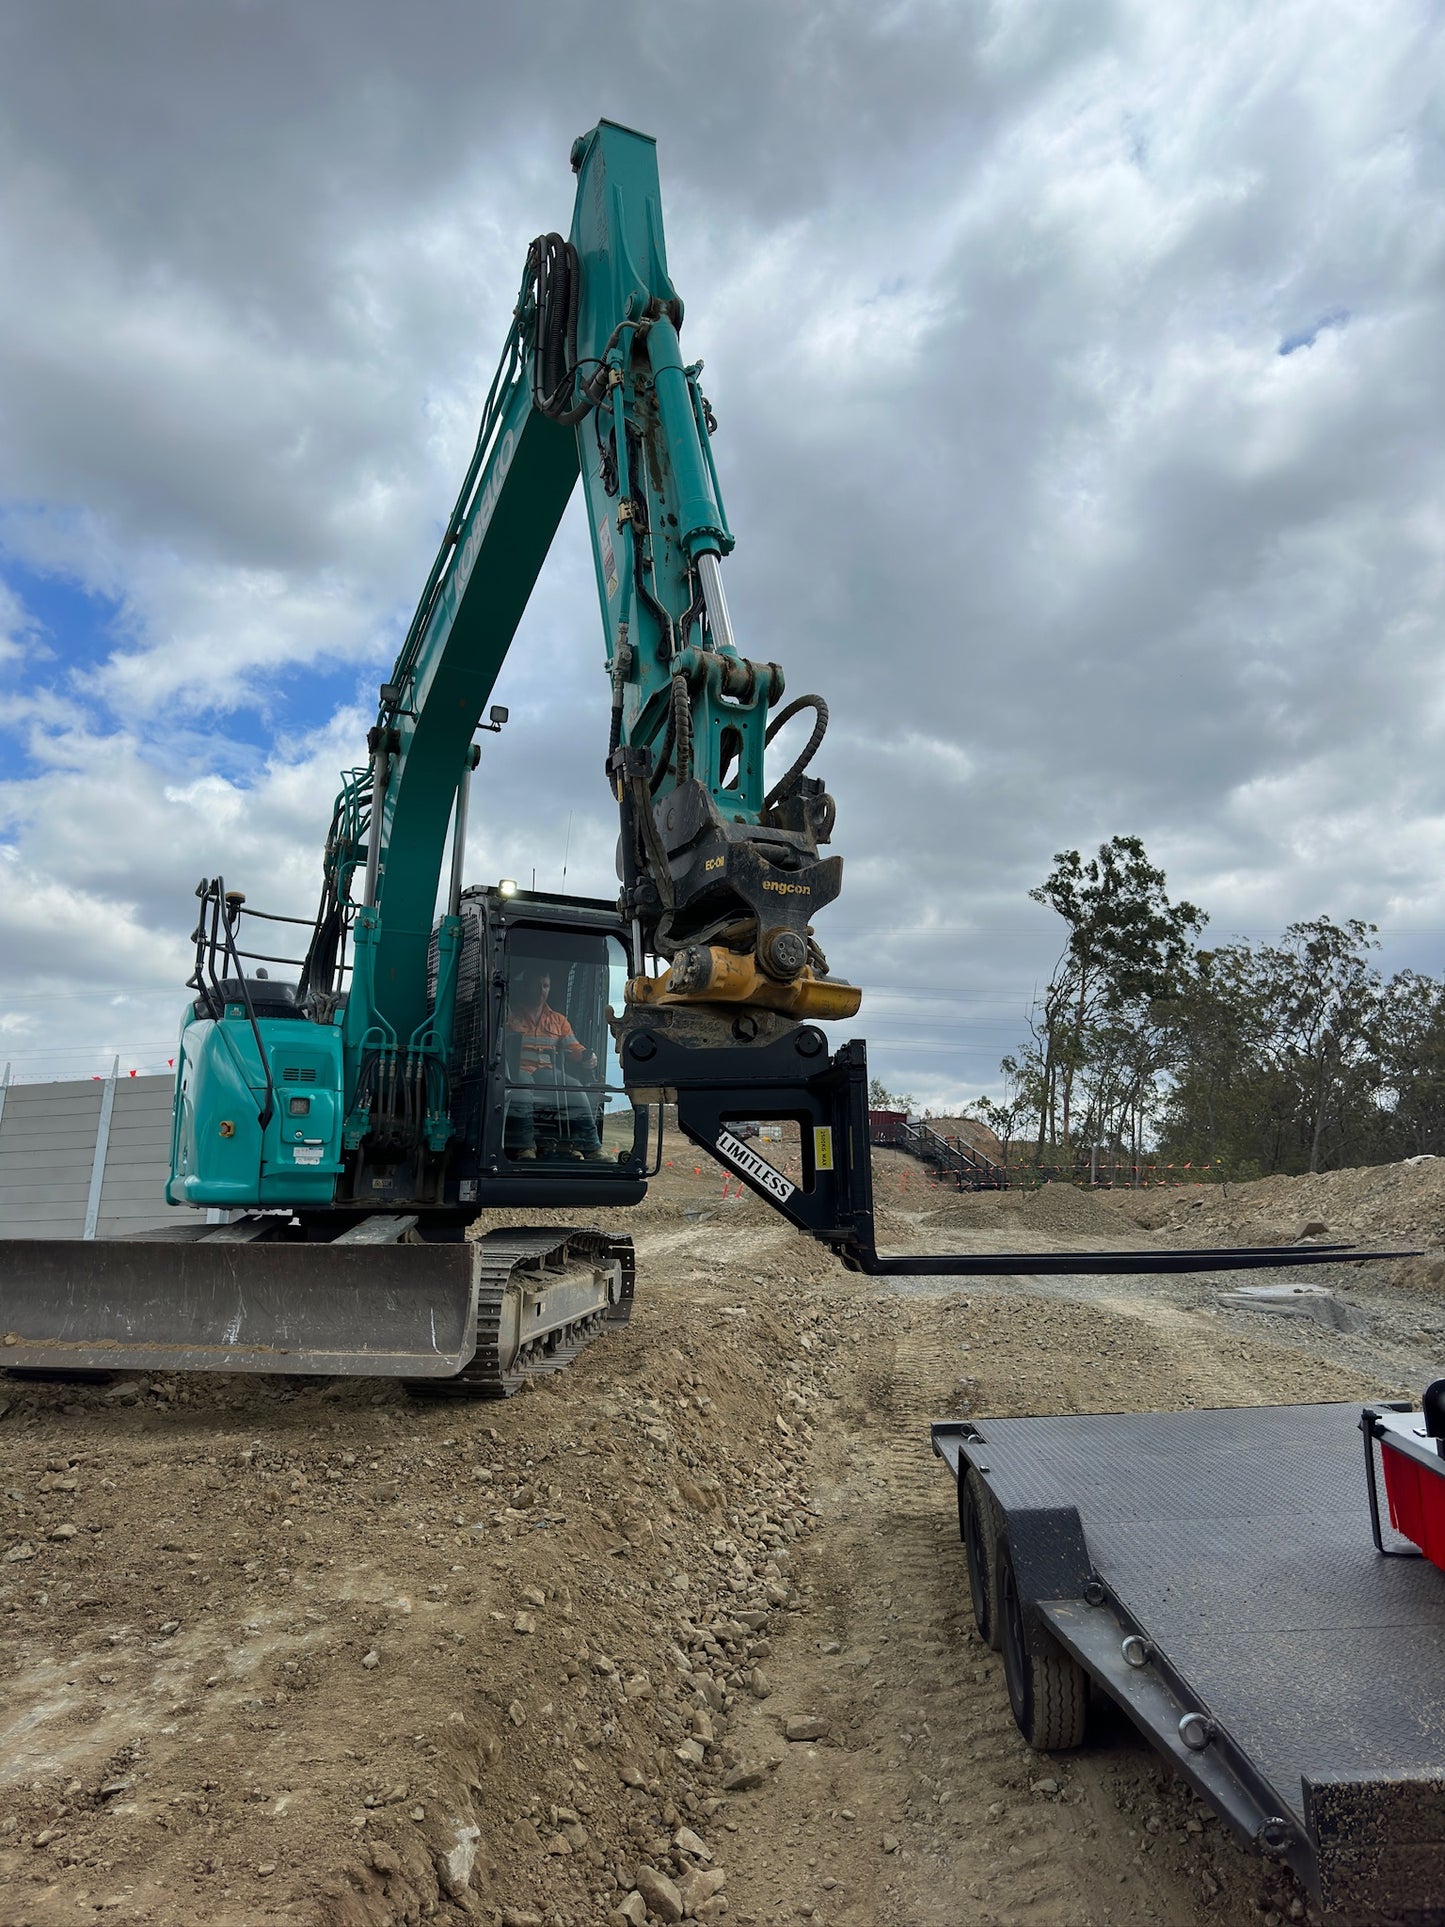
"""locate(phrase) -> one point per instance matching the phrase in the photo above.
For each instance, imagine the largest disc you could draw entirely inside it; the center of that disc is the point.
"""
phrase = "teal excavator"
(339, 1129)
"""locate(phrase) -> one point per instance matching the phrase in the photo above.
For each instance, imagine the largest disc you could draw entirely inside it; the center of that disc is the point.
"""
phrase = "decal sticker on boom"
(765, 1174)
(609, 559)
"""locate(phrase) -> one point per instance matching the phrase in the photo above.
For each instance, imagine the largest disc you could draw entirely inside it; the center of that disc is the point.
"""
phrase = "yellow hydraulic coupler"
(710, 974)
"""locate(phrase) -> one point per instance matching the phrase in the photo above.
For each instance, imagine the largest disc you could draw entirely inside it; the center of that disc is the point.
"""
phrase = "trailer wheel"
(1049, 1690)
(980, 1525)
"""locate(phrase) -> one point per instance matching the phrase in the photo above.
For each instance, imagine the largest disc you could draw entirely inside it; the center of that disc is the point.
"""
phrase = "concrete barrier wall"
(86, 1159)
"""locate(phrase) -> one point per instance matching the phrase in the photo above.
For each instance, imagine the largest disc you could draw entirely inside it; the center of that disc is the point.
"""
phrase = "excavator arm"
(720, 872)
(720, 868)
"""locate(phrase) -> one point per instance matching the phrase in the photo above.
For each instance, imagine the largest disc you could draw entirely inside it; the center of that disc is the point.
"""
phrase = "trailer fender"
(1050, 1561)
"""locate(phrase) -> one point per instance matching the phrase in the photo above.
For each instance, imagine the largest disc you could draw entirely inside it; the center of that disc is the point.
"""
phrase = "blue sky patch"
(69, 632)
(1307, 337)
(75, 627)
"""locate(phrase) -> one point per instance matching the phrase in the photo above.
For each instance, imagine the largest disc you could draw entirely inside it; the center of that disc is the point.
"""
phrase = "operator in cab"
(548, 1117)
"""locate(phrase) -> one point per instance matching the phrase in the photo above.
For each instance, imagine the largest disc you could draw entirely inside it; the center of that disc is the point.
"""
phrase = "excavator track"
(520, 1336)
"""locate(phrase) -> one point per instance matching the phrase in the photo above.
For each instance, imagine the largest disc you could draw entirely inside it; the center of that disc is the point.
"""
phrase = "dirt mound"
(1052, 1212)
(976, 1210)
(1065, 1209)
(1375, 1204)
(1420, 1274)
(977, 1136)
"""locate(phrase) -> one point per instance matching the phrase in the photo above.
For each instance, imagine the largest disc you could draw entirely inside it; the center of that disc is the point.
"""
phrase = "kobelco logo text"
(501, 462)
(765, 1174)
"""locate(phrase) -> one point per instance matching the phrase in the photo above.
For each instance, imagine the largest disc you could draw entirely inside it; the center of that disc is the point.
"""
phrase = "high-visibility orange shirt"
(543, 1033)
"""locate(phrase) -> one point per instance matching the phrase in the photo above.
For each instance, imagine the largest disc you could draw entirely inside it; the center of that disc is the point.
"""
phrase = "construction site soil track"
(691, 1619)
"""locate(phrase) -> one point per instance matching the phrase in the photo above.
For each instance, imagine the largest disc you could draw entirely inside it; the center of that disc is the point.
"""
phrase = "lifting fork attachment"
(788, 1075)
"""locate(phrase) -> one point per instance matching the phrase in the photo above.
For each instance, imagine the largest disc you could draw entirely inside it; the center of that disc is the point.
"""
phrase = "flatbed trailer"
(1214, 1574)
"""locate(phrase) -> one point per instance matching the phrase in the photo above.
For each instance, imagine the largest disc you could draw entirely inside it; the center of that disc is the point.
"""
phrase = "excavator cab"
(542, 1114)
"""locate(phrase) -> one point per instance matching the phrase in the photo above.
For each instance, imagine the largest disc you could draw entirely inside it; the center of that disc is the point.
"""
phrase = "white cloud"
(17, 629)
(991, 308)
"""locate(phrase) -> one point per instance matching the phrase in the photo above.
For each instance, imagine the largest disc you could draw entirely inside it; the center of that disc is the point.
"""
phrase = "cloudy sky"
(1079, 376)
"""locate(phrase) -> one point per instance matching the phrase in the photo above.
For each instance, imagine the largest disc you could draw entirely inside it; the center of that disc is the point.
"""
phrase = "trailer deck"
(1214, 1573)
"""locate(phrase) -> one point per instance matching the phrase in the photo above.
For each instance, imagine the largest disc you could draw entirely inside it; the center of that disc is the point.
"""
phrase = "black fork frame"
(794, 1077)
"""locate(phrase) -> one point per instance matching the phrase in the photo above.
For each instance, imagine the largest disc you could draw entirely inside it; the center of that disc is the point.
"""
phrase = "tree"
(1127, 945)
(880, 1098)
(1003, 1116)
(1274, 1051)
(1124, 1057)
(1327, 1001)
(1293, 1056)
(1410, 1040)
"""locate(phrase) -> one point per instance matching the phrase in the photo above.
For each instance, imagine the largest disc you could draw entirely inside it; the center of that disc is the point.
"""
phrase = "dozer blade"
(476, 1320)
(386, 1310)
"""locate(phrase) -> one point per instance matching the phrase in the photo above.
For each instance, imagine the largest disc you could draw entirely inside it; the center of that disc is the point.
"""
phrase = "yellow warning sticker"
(822, 1147)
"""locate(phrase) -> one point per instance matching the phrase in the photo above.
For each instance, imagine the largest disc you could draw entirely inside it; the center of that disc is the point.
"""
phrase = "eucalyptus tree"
(1127, 946)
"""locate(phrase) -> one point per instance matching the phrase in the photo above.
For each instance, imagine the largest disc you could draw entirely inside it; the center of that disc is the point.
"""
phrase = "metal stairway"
(954, 1161)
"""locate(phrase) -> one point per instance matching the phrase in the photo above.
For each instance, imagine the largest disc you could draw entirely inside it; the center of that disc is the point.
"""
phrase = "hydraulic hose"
(820, 730)
(682, 724)
(676, 739)
(664, 756)
(553, 271)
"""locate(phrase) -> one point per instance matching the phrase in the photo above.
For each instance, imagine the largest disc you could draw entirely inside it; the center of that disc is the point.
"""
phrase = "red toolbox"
(1414, 1475)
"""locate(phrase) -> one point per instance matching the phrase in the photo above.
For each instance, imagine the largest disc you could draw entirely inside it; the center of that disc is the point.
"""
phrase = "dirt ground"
(293, 1650)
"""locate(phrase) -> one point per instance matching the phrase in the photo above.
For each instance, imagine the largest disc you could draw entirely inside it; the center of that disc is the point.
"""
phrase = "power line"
(166, 1047)
(66, 996)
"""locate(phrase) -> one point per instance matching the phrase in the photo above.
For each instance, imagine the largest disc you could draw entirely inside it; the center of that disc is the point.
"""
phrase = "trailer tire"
(980, 1526)
(1048, 1690)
